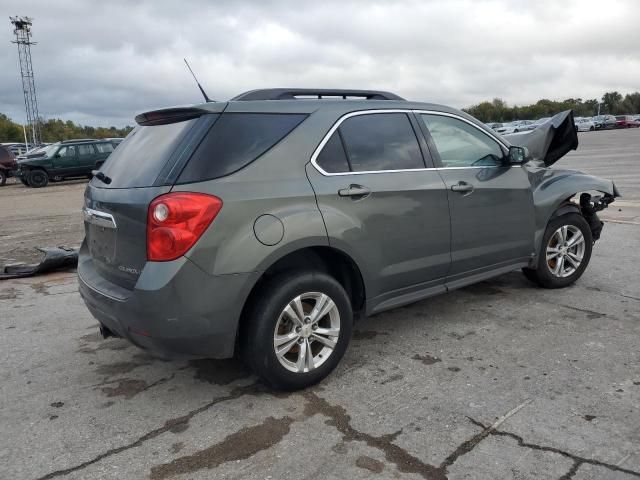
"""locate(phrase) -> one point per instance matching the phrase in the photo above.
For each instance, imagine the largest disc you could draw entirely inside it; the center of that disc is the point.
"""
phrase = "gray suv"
(262, 225)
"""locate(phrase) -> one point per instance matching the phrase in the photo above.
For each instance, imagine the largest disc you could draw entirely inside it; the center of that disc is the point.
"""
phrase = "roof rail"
(77, 140)
(293, 93)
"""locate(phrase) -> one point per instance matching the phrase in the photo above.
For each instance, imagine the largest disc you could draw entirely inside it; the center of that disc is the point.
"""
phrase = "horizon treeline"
(56, 129)
(611, 103)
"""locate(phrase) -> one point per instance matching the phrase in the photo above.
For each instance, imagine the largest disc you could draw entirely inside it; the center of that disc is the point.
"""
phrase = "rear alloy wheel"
(38, 178)
(298, 329)
(566, 251)
(307, 332)
(3, 178)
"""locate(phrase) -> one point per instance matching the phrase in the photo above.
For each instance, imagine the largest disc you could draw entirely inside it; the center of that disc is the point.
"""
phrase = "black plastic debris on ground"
(54, 258)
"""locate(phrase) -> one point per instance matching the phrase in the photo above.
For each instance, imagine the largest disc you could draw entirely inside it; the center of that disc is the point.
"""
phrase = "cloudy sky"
(101, 62)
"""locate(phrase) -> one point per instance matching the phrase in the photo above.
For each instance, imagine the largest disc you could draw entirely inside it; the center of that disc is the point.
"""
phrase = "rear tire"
(564, 253)
(3, 178)
(38, 178)
(310, 343)
(24, 181)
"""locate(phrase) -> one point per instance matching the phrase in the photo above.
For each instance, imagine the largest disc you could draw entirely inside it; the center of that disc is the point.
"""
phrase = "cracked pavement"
(497, 380)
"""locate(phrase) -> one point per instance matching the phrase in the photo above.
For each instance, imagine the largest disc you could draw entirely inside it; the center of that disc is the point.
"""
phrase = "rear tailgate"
(144, 166)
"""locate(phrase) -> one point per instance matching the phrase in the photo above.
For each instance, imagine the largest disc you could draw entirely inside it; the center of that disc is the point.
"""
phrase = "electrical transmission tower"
(22, 30)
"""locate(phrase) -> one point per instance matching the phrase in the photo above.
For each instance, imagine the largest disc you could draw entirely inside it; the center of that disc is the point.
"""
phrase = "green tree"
(498, 110)
(611, 102)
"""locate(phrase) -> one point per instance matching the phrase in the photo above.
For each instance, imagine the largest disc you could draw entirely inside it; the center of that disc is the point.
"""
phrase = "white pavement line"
(624, 222)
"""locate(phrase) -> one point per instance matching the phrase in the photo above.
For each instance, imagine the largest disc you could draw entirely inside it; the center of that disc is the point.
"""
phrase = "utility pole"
(22, 31)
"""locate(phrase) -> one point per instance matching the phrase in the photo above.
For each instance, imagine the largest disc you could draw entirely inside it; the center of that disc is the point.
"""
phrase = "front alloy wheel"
(565, 251)
(307, 332)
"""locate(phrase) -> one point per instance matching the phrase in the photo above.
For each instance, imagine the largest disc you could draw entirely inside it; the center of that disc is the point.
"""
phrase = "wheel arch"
(327, 259)
(552, 196)
(324, 258)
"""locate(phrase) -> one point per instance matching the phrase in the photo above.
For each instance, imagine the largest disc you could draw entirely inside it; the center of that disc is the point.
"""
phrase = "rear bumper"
(176, 310)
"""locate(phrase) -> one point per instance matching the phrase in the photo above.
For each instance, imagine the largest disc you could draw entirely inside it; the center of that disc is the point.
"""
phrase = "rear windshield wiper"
(101, 176)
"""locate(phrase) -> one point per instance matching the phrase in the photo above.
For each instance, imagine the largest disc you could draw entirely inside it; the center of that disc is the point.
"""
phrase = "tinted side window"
(462, 145)
(236, 140)
(67, 151)
(104, 147)
(332, 158)
(85, 150)
(384, 141)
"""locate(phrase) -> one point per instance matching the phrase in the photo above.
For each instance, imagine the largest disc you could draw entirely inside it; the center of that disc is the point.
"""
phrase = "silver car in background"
(516, 126)
(584, 124)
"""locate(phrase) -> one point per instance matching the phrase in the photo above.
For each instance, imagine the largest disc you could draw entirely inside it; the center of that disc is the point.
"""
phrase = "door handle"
(462, 187)
(354, 191)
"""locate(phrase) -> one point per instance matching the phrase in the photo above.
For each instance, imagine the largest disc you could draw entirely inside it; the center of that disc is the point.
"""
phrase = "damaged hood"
(550, 141)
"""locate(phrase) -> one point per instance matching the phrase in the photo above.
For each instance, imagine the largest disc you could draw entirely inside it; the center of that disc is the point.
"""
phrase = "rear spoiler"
(176, 114)
(550, 141)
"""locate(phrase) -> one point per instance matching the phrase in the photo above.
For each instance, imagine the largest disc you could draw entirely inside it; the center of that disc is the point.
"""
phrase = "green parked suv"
(263, 225)
(63, 160)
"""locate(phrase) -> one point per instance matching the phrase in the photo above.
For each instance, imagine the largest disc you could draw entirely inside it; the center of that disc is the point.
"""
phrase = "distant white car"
(541, 121)
(494, 125)
(516, 126)
(584, 124)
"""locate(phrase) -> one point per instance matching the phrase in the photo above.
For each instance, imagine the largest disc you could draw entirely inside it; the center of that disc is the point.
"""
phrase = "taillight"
(175, 222)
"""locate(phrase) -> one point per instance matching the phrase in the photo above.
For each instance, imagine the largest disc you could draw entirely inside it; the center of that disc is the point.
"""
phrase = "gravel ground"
(497, 380)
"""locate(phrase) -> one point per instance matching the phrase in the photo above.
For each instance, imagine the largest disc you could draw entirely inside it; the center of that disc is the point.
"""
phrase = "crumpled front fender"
(552, 188)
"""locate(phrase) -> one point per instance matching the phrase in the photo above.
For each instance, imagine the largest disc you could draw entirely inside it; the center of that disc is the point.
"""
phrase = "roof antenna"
(206, 98)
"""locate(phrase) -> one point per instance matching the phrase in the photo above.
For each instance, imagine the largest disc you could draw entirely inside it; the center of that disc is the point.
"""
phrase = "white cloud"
(101, 62)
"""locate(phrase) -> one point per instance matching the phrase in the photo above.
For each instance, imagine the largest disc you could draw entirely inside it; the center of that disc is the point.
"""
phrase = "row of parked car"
(76, 158)
(582, 124)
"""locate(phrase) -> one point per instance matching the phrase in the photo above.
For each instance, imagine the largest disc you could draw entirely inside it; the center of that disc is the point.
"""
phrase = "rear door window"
(332, 158)
(84, 150)
(104, 147)
(382, 141)
(234, 141)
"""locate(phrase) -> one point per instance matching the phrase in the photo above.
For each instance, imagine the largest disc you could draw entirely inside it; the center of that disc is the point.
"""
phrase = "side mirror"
(518, 154)
(57, 155)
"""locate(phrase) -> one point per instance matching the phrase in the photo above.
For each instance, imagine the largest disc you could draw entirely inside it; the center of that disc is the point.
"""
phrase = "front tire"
(564, 254)
(3, 178)
(297, 330)
(38, 178)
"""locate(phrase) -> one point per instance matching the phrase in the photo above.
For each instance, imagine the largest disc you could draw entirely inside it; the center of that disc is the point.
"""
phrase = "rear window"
(234, 141)
(139, 159)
